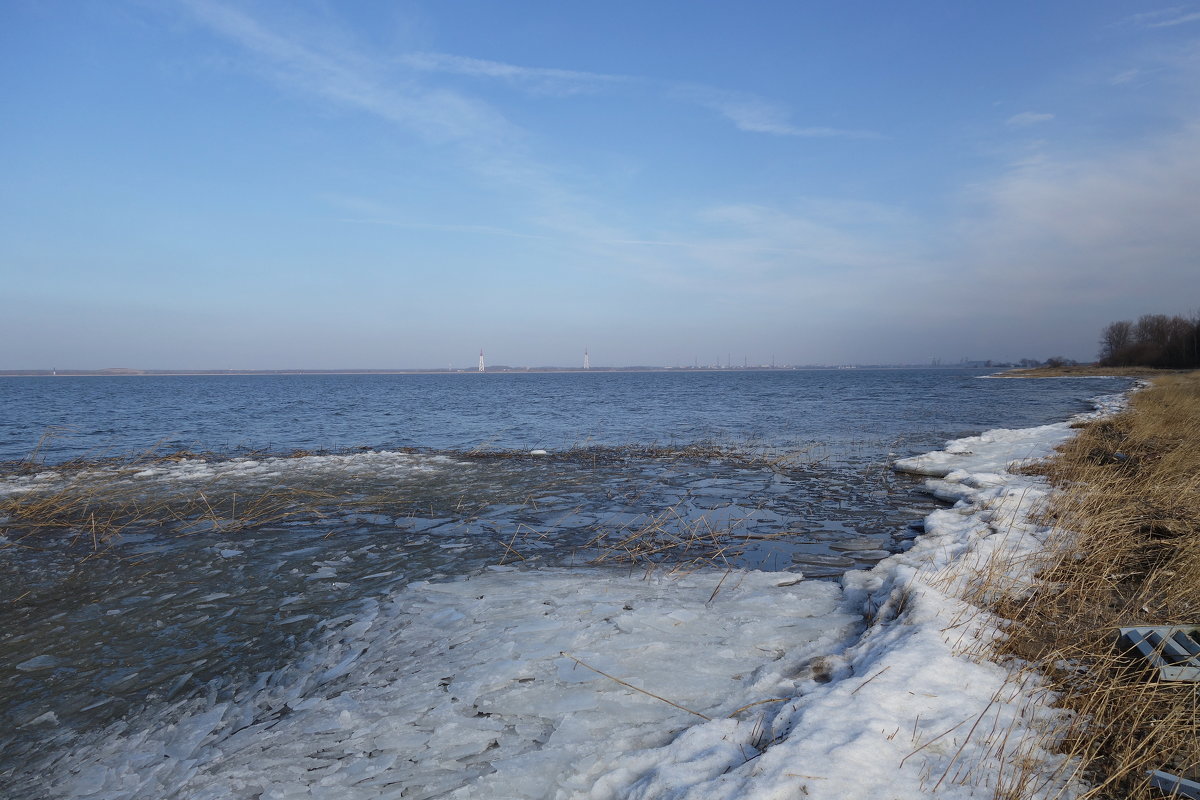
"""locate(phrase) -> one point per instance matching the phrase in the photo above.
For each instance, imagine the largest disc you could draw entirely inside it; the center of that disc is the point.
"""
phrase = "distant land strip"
(499, 368)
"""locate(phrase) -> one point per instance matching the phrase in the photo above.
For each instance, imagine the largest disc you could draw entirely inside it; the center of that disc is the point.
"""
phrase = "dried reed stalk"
(1127, 552)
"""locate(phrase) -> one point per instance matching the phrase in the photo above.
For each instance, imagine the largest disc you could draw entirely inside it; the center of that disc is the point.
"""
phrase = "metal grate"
(1170, 784)
(1173, 649)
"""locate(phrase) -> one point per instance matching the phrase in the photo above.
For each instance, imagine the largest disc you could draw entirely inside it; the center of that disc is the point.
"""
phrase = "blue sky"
(203, 184)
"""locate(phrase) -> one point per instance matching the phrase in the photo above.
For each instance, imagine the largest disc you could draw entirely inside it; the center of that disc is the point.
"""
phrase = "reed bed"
(99, 512)
(1126, 552)
(670, 538)
(97, 499)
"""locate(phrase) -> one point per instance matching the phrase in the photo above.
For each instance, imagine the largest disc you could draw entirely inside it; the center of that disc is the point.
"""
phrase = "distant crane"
(481, 367)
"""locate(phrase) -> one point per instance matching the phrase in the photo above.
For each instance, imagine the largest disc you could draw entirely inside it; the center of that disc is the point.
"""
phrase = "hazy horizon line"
(118, 371)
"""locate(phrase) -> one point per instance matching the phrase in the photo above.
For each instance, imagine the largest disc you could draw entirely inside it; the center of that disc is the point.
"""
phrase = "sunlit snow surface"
(473, 686)
(462, 684)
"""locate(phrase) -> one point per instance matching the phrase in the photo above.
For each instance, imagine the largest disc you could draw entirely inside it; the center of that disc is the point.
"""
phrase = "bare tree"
(1156, 340)
(1114, 343)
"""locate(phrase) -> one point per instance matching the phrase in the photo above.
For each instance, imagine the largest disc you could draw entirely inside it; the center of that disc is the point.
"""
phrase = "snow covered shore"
(592, 683)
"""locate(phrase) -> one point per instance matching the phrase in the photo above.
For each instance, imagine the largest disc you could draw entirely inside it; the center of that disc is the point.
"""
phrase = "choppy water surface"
(228, 563)
(115, 415)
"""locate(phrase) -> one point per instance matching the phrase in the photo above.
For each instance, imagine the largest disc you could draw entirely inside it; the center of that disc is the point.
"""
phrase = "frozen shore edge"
(914, 707)
(876, 688)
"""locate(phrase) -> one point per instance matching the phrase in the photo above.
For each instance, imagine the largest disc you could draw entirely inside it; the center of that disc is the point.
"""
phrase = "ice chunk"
(38, 663)
(48, 718)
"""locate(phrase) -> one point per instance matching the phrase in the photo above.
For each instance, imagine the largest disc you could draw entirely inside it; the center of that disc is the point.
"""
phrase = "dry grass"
(671, 538)
(1130, 499)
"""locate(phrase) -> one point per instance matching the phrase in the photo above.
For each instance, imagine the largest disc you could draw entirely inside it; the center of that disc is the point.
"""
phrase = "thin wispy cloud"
(756, 115)
(489, 145)
(1027, 118)
(755, 251)
(1114, 229)
(539, 79)
(746, 111)
(732, 240)
(1165, 17)
(772, 256)
(1126, 77)
(343, 76)
(403, 90)
(731, 246)
(482, 230)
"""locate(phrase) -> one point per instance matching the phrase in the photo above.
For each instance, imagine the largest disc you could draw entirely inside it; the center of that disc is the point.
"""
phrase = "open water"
(225, 562)
(97, 416)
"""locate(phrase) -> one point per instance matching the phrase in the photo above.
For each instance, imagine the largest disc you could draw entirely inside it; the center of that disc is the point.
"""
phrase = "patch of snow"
(490, 684)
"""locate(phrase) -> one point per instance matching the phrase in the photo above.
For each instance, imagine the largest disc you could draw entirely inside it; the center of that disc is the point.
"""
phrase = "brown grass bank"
(1129, 506)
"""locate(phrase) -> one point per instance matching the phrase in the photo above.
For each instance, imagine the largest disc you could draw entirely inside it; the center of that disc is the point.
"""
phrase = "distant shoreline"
(1088, 371)
(501, 369)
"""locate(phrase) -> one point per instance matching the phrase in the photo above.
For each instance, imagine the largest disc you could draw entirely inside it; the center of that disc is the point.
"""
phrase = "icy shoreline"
(473, 687)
